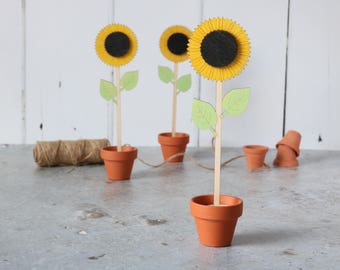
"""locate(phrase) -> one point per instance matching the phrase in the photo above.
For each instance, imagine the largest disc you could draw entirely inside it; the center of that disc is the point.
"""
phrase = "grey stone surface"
(73, 218)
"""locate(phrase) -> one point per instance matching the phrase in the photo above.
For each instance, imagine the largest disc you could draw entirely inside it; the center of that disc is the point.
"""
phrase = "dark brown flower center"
(219, 48)
(178, 43)
(117, 44)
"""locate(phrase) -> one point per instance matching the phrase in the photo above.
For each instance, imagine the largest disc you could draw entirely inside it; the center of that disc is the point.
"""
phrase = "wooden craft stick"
(217, 174)
(118, 111)
(174, 101)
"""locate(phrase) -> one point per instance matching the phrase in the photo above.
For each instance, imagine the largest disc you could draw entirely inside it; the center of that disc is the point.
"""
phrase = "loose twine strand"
(199, 164)
(191, 158)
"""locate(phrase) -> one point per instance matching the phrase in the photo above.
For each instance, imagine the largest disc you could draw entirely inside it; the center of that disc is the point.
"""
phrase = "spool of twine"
(79, 152)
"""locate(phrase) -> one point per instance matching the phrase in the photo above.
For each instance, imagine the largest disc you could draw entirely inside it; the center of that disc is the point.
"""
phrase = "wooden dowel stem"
(118, 111)
(218, 139)
(174, 101)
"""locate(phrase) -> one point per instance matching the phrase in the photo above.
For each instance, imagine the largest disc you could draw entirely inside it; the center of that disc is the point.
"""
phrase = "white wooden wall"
(313, 96)
(49, 71)
(11, 75)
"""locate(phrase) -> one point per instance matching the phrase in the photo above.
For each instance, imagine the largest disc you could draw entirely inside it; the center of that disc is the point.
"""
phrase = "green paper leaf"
(129, 80)
(184, 83)
(204, 115)
(236, 101)
(107, 90)
(165, 74)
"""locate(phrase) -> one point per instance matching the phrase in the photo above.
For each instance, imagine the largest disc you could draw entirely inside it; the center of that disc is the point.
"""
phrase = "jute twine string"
(199, 164)
(79, 152)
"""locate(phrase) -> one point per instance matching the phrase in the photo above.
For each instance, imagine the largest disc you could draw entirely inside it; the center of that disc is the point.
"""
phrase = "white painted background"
(49, 71)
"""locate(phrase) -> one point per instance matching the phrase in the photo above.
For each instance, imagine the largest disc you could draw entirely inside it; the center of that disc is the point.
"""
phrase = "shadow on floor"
(266, 237)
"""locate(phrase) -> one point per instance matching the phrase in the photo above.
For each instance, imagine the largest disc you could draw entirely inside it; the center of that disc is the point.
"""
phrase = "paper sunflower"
(116, 45)
(219, 49)
(174, 43)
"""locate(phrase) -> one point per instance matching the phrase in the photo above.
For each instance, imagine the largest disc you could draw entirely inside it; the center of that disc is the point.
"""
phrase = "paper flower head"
(219, 49)
(116, 45)
(174, 43)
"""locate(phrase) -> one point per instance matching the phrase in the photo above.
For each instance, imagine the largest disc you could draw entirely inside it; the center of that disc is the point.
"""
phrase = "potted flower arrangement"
(218, 50)
(116, 45)
(173, 45)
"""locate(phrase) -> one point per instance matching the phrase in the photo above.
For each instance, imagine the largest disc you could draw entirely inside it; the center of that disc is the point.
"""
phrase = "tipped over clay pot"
(118, 165)
(293, 140)
(285, 157)
(216, 224)
(288, 149)
(255, 156)
(173, 145)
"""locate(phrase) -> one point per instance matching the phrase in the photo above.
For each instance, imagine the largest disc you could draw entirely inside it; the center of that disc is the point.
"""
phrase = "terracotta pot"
(173, 145)
(288, 149)
(216, 224)
(292, 138)
(285, 157)
(255, 155)
(118, 165)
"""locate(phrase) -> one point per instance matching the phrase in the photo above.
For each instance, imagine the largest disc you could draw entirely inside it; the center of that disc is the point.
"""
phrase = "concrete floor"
(73, 218)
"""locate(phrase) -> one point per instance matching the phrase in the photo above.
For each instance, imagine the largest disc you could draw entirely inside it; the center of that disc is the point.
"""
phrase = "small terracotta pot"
(288, 149)
(292, 138)
(118, 165)
(173, 145)
(216, 224)
(285, 157)
(255, 155)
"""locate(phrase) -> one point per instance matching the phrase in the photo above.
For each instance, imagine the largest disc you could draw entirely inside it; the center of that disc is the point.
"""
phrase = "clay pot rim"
(296, 150)
(201, 206)
(255, 148)
(125, 148)
(177, 134)
(292, 143)
(286, 164)
(166, 138)
(111, 153)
